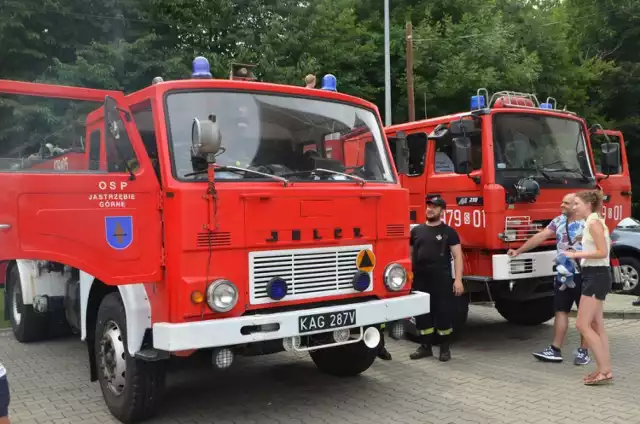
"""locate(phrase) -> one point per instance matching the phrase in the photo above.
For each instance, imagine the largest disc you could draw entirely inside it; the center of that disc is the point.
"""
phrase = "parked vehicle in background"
(625, 242)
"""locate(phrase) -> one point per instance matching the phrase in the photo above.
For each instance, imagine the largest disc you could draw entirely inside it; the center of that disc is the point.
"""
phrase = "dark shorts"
(564, 299)
(596, 281)
(4, 397)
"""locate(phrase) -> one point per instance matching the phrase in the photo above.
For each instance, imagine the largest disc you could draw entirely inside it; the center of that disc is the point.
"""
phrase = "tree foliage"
(581, 52)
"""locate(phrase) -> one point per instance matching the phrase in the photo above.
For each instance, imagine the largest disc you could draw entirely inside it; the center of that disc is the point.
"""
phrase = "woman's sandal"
(590, 376)
(599, 378)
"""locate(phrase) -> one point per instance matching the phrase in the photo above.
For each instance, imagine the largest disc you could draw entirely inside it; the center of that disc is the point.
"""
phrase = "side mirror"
(610, 161)
(462, 155)
(206, 138)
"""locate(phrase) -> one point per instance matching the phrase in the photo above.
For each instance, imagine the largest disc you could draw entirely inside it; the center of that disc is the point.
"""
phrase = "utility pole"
(409, 57)
(387, 67)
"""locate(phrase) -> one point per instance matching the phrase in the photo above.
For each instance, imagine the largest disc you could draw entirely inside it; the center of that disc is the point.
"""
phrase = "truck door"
(103, 220)
(616, 185)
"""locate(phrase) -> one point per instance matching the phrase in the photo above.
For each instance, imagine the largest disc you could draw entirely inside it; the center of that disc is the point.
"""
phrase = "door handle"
(5, 226)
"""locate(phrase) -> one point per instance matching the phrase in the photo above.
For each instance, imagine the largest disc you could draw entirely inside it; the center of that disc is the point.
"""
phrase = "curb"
(632, 315)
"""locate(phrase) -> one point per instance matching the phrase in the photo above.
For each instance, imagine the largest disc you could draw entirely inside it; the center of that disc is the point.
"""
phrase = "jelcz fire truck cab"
(199, 220)
(503, 167)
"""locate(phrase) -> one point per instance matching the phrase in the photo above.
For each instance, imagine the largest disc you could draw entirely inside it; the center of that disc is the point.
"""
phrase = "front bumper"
(526, 265)
(228, 331)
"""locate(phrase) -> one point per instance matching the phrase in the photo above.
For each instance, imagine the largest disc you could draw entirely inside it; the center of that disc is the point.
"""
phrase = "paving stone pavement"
(492, 378)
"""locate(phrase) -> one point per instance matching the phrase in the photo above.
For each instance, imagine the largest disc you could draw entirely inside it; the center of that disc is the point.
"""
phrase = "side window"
(417, 144)
(143, 118)
(95, 148)
(444, 164)
(120, 153)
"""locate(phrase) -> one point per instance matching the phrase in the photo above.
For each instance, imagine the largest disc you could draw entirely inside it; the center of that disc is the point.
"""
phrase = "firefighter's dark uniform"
(432, 274)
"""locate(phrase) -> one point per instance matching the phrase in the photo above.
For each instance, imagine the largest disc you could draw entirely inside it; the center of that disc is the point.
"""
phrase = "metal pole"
(387, 67)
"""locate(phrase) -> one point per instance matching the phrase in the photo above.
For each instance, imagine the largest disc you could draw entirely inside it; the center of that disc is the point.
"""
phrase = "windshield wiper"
(236, 169)
(575, 170)
(361, 181)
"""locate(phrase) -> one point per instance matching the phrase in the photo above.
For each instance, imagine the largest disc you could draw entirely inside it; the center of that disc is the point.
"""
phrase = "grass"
(3, 323)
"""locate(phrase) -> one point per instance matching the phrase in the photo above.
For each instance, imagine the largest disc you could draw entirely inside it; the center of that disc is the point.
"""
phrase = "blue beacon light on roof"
(201, 68)
(329, 82)
(477, 102)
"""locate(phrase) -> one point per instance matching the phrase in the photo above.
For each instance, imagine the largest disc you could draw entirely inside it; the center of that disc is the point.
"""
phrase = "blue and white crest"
(119, 231)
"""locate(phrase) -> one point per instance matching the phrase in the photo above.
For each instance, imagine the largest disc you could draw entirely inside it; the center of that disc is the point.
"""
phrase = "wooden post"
(409, 70)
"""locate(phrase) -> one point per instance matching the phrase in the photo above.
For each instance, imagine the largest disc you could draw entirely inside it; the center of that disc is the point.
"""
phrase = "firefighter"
(432, 246)
(383, 353)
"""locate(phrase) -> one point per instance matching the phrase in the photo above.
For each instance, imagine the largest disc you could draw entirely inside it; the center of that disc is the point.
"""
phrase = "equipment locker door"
(102, 219)
(617, 186)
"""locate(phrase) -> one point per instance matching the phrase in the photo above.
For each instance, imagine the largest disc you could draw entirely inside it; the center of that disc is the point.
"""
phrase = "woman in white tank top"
(596, 282)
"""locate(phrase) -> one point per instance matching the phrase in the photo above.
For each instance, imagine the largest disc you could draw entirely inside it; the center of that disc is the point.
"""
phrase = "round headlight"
(222, 295)
(395, 277)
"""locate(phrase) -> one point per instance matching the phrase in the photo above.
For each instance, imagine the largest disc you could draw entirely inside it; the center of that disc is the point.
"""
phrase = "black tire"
(144, 382)
(629, 264)
(529, 313)
(30, 326)
(344, 361)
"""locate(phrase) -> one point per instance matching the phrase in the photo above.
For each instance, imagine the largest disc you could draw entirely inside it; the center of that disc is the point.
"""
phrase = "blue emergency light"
(329, 82)
(361, 281)
(277, 288)
(201, 68)
(477, 102)
(546, 106)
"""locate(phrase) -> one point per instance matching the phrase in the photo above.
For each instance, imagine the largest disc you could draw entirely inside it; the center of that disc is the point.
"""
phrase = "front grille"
(521, 266)
(310, 273)
(520, 228)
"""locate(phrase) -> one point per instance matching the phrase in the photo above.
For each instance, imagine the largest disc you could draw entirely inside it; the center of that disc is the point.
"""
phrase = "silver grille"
(520, 228)
(310, 273)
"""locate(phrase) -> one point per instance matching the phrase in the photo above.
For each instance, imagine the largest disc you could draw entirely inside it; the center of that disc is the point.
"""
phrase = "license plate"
(328, 321)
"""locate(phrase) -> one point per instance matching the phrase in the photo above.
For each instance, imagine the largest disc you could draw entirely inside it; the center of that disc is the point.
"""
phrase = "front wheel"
(344, 361)
(27, 324)
(131, 388)
(529, 312)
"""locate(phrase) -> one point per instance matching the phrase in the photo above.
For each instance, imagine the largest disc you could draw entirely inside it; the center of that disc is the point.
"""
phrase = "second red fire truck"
(503, 167)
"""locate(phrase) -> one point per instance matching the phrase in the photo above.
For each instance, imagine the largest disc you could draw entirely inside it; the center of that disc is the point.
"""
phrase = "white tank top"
(589, 245)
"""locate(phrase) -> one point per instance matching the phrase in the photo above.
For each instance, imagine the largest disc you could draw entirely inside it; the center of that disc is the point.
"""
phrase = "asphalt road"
(492, 378)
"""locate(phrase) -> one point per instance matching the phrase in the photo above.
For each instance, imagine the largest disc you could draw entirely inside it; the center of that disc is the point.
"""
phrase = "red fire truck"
(503, 168)
(199, 219)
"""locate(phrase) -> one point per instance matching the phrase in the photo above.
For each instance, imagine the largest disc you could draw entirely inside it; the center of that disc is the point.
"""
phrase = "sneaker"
(550, 354)
(581, 357)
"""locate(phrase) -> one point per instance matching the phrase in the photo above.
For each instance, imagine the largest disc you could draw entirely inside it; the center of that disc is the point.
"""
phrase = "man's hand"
(458, 287)
(513, 253)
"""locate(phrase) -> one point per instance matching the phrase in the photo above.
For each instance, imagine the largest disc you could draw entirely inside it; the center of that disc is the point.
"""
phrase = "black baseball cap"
(437, 201)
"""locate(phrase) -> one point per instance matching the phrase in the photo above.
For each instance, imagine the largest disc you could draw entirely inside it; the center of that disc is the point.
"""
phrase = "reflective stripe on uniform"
(426, 331)
(445, 332)
(383, 326)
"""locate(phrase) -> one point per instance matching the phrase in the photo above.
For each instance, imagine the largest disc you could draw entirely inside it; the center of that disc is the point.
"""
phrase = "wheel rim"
(112, 358)
(16, 304)
(630, 277)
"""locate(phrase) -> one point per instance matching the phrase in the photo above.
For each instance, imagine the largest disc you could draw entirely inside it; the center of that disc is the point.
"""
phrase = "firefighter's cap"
(437, 201)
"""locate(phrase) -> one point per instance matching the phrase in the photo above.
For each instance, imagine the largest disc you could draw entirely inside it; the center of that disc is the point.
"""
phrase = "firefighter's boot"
(384, 354)
(423, 351)
(445, 352)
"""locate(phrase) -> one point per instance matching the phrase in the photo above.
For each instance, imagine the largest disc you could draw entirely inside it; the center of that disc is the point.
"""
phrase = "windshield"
(277, 135)
(547, 145)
